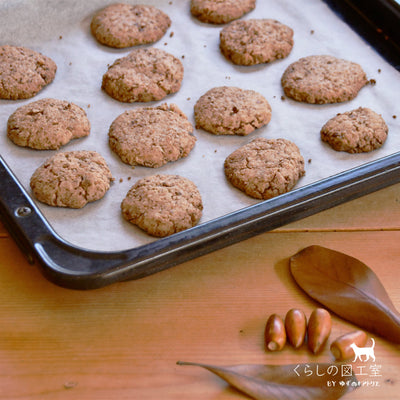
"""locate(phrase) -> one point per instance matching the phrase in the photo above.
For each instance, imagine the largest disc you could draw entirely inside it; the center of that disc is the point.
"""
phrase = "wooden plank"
(123, 341)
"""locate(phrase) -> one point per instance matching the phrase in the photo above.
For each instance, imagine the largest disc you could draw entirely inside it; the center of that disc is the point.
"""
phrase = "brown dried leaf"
(285, 382)
(347, 287)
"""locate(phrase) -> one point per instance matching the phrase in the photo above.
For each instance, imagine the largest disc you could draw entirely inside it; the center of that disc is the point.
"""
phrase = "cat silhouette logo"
(368, 352)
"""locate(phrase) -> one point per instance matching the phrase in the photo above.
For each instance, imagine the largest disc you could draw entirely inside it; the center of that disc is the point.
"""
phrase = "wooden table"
(123, 341)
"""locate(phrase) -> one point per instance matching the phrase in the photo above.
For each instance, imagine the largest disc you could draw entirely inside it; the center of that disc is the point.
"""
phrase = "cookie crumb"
(70, 385)
(88, 106)
(171, 34)
(129, 178)
(394, 116)
(188, 99)
(379, 70)
(309, 160)
(283, 98)
(312, 32)
(183, 56)
(60, 37)
(165, 44)
(121, 180)
(372, 82)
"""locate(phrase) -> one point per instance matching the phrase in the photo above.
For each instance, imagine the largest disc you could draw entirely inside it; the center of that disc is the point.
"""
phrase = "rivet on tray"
(23, 211)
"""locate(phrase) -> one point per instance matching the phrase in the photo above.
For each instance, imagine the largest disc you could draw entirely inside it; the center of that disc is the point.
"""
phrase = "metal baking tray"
(73, 267)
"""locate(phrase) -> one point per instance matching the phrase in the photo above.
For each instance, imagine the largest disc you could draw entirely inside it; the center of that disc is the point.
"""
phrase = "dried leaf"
(347, 287)
(311, 381)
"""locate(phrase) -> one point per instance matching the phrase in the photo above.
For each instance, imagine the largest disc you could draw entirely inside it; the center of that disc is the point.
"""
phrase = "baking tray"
(71, 266)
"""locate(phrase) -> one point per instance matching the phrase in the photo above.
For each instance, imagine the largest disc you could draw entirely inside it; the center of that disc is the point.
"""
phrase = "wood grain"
(123, 341)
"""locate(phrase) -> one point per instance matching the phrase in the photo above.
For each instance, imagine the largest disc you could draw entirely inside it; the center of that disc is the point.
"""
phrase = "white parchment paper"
(60, 30)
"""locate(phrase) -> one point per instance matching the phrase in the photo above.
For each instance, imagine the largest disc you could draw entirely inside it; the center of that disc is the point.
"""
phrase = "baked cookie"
(24, 72)
(356, 131)
(145, 74)
(151, 136)
(163, 204)
(47, 124)
(123, 25)
(220, 11)
(255, 41)
(71, 179)
(265, 168)
(323, 79)
(229, 110)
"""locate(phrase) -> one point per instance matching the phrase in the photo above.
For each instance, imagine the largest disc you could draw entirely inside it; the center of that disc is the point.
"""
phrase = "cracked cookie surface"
(71, 179)
(163, 204)
(265, 168)
(24, 72)
(47, 124)
(323, 79)
(220, 11)
(256, 41)
(229, 110)
(151, 136)
(123, 25)
(145, 74)
(357, 131)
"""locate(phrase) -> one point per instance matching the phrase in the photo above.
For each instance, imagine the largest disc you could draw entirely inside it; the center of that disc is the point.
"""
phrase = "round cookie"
(71, 179)
(356, 131)
(24, 72)
(229, 110)
(220, 12)
(265, 168)
(47, 124)
(255, 41)
(163, 204)
(145, 74)
(323, 79)
(151, 136)
(123, 25)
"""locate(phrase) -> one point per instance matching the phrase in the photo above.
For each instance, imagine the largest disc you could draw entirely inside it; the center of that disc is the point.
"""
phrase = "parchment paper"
(60, 29)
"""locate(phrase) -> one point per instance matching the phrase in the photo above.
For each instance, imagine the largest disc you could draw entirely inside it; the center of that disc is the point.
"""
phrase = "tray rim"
(376, 21)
